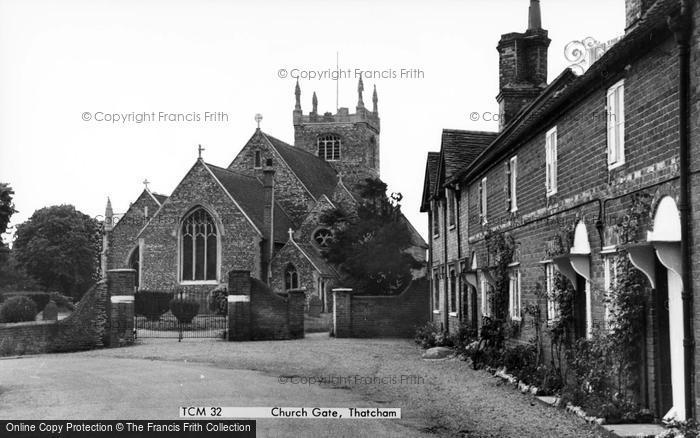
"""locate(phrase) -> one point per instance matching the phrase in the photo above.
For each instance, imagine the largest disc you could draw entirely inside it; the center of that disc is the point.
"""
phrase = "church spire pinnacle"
(360, 89)
(109, 216)
(535, 16)
(297, 95)
(314, 104)
(375, 108)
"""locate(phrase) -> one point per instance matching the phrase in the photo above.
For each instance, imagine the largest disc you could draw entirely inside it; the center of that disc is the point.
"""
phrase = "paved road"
(153, 379)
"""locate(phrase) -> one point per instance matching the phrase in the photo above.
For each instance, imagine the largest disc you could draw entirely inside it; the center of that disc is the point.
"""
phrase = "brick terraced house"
(260, 213)
(584, 170)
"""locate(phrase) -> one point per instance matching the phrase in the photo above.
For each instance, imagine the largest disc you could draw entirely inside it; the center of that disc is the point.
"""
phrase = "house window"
(436, 219)
(514, 297)
(610, 279)
(436, 292)
(616, 125)
(453, 291)
(198, 243)
(291, 277)
(552, 302)
(452, 207)
(329, 147)
(551, 160)
(512, 179)
(485, 297)
(258, 160)
(483, 204)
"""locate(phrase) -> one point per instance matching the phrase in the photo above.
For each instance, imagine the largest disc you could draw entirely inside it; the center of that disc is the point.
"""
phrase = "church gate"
(177, 314)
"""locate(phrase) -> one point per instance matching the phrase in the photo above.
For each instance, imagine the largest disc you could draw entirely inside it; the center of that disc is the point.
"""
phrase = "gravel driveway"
(150, 380)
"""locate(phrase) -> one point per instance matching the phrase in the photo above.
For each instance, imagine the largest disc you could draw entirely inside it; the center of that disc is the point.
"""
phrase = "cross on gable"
(200, 149)
(146, 182)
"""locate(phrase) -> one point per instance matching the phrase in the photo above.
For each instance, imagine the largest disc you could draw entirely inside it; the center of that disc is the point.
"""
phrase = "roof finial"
(200, 149)
(360, 89)
(146, 182)
(297, 95)
(375, 108)
(258, 119)
(314, 103)
(291, 234)
(535, 16)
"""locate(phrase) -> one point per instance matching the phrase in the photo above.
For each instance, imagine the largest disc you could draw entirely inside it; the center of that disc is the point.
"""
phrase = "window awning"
(572, 265)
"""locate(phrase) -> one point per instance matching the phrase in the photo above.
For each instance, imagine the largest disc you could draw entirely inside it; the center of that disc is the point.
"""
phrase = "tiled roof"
(317, 175)
(460, 148)
(248, 192)
(568, 88)
(160, 198)
(317, 259)
(430, 179)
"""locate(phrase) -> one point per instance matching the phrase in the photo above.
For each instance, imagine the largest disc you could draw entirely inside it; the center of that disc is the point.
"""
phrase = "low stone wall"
(356, 316)
(94, 323)
(257, 313)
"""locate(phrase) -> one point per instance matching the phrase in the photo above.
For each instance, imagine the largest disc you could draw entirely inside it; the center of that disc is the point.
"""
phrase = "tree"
(60, 247)
(369, 246)
(7, 208)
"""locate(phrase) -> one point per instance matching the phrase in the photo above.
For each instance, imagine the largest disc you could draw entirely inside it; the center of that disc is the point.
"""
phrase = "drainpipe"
(680, 25)
(431, 275)
(458, 193)
(446, 313)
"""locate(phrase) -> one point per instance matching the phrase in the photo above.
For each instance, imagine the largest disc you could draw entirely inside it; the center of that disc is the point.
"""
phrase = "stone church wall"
(123, 236)
(239, 244)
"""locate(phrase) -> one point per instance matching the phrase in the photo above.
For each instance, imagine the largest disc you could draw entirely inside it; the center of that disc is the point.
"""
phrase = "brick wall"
(382, 316)
(84, 329)
(259, 313)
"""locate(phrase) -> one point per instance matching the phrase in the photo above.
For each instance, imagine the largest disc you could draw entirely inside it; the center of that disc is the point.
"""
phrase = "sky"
(66, 67)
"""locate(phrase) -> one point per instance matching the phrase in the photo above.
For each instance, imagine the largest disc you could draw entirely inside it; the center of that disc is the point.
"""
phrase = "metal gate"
(179, 314)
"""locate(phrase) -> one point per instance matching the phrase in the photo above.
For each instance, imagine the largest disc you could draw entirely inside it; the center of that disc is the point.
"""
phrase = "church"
(260, 213)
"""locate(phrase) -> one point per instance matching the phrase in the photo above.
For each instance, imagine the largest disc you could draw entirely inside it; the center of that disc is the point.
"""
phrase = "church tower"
(348, 142)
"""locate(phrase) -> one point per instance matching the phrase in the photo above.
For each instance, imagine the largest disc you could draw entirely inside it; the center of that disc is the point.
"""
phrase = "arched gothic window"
(329, 147)
(291, 277)
(198, 245)
(135, 262)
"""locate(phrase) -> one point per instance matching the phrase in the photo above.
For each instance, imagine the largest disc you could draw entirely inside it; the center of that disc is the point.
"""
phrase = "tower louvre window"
(329, 147)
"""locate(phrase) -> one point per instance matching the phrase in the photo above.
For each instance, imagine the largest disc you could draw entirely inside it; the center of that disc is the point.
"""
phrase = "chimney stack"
(522, 66)
(634, 10)
(268, 218)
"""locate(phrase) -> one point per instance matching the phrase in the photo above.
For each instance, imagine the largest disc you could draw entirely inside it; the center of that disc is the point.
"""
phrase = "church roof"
(316, 259)
(160, 198)
(248, 192)
(317, 175)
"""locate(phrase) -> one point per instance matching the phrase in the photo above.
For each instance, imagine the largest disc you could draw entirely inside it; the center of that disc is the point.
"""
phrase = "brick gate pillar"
(239, 306)
(296, 303)
(342, 313)
(121, 285)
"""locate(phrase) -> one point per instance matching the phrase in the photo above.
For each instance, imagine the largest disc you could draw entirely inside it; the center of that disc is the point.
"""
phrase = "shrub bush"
(430, 335)
(41, 299)
(18, 309)
(152, 304)
(184, 309)
(62, 300)
(218, 300)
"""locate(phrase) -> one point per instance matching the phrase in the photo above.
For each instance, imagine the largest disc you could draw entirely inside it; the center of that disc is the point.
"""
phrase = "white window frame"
(513, 185)
(485, 303)
(483, 200)
(551, 140)
(436, 292)
(553, 312)
(609, 277)
(615, 106)
(452, 310)
(451, 208)
(515, 299)
(436, 219)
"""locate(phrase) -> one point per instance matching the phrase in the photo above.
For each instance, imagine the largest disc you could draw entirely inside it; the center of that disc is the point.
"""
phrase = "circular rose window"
(323, 237)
